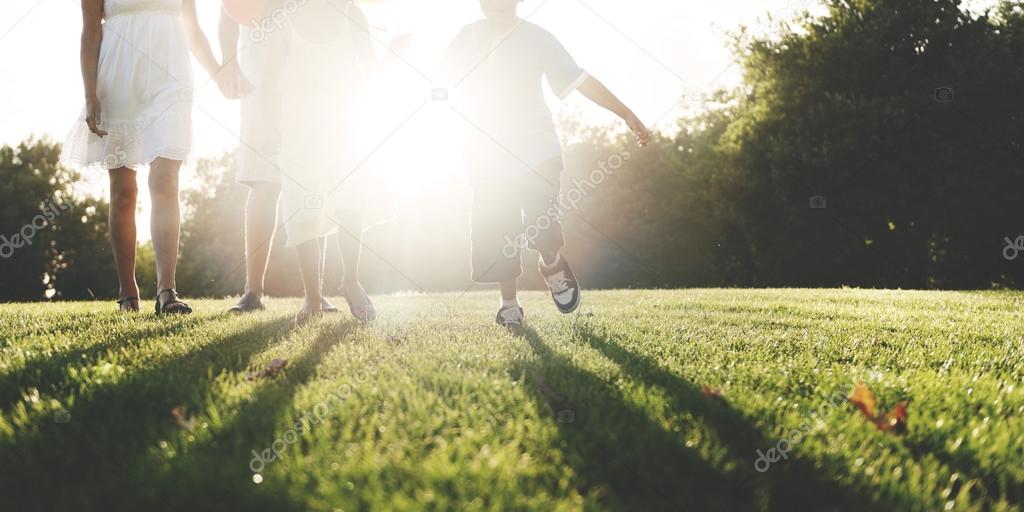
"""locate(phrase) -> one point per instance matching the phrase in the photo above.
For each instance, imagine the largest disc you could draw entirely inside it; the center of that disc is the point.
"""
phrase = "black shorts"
(511, 214)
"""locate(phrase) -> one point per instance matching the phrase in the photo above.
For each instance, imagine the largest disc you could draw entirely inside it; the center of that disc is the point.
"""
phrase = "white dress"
(144, 83)
(323, 155)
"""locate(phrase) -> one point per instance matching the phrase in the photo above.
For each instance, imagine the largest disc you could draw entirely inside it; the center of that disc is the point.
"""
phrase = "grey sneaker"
(511, 317)
(565, 289)
(247, 304)
(328, 307)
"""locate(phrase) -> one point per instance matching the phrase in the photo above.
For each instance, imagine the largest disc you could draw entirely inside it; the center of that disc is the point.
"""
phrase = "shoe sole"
(579, 300)
(570, 310)
(244, 311)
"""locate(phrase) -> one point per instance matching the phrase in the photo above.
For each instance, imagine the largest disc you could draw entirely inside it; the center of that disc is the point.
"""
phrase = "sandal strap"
(174, 303)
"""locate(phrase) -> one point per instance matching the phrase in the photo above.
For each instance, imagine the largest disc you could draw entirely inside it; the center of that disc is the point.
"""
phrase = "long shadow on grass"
(998, 483)
(48, 373)
(792, 484)
(217, 472)
(618, 451)
(93, 459)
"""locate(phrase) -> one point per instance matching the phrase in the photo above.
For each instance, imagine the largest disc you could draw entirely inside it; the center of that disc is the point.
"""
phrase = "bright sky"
(650, 52)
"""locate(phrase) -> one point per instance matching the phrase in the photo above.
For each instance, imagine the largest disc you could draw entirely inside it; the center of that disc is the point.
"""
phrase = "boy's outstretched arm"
(596, 91)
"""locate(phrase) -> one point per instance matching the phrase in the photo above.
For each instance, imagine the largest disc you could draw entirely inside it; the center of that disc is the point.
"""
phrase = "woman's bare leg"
(124, 195)
(165, 222)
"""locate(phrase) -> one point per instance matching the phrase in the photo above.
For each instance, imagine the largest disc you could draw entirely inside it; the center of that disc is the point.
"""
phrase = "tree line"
(876, 145)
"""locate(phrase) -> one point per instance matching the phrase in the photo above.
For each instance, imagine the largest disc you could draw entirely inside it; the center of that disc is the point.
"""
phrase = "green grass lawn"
(434, 407)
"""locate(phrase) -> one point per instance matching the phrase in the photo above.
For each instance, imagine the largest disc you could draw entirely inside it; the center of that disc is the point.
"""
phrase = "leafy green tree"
(878, 145)
(54, 241)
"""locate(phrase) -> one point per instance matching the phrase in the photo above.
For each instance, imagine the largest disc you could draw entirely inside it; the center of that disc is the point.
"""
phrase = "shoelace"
(559, 283)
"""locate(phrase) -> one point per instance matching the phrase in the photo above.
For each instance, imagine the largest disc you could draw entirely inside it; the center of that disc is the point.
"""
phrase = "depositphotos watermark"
(52, 209)
(306, 420)
(568, 201)
(275, 20)
(1013, 248)
(97, 173)
(781, 450)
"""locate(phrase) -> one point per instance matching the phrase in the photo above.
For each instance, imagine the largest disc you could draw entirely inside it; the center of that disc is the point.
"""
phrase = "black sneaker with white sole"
(565, 289)
(511, 317)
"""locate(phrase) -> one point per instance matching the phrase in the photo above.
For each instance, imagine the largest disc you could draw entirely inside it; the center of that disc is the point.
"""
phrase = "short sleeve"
(563, 74)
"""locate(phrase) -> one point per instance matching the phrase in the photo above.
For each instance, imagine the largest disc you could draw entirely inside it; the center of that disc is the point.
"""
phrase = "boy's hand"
(231, 82)
(643, 135)
(227, 82)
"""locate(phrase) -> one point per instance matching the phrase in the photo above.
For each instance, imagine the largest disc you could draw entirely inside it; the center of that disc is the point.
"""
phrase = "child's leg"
(350, 241)
(309, 266)
(542, 211)
(260, 224)
(509, 293)
(497, 228)
(322, 245)
(549, 253)
(544, 235)
(496, 244)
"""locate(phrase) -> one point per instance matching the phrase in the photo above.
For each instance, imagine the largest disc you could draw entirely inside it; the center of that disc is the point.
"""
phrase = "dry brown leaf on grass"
(864, 400)
(273, 368)
(894, 421)
(178, 416)
(713, 393)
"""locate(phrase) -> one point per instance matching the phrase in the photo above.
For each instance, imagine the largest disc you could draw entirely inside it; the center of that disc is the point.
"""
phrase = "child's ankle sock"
(505, 303)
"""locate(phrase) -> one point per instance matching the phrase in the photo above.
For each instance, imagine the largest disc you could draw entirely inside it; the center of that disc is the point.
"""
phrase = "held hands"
(93, 116)
(643, 135)
(231, 82)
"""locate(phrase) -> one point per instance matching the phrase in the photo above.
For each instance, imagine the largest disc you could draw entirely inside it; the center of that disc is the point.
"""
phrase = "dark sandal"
(172, 306)
(131, 302)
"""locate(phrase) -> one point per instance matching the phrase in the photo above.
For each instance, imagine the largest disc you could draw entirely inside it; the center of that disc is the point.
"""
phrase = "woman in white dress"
(138, 113)
(326, 187)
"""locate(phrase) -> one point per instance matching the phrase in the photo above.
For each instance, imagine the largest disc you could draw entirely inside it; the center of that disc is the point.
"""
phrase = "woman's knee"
(163, 184)
(124, 192)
